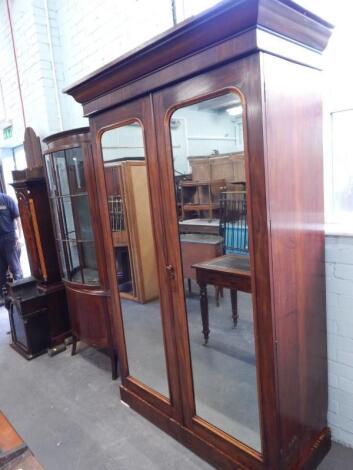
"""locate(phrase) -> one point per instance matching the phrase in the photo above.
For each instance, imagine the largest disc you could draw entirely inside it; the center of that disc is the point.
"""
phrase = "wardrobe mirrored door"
(126, 179)
(211, 191)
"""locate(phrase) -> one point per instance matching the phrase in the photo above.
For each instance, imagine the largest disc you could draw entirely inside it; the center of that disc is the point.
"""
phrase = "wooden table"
(229, 271)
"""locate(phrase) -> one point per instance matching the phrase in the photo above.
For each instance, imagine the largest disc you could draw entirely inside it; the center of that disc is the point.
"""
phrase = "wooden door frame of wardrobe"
(200, 87)
(138, 111)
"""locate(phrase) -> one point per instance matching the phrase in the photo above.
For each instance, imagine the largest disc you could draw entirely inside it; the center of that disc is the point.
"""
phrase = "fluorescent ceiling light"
(235, 111)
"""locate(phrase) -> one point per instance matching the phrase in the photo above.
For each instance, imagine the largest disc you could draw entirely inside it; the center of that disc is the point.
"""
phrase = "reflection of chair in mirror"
(131, 225)
(233, 223)
(234, 230)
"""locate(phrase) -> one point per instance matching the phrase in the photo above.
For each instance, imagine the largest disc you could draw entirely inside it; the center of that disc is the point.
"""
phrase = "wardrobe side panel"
(293, 116)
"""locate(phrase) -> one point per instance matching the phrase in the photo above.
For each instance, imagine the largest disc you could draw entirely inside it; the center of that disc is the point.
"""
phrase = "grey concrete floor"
(224, 372)
(69, 413)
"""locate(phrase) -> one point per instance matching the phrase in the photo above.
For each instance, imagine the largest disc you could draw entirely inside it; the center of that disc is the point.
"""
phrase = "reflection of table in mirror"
(229, 271)
(199, 226)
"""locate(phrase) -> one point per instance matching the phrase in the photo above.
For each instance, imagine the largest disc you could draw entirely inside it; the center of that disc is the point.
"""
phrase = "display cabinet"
(37, 305)
(242, 78)
(69, 177)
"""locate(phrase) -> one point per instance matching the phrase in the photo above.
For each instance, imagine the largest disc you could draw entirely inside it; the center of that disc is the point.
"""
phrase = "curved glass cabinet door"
(126, 180)
(72, 220)
(211, 192)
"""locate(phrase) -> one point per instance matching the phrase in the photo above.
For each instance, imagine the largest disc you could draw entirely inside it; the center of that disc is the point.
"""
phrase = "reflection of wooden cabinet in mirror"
(229, 167)
(130, 219)
(200, 198)
(71, 188)
(256, 396)
(209, 176)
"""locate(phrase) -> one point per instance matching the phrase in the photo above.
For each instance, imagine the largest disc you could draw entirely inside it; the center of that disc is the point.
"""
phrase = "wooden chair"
(233, 225)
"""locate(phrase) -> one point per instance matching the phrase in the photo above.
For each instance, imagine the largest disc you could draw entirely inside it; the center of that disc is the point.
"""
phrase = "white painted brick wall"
(339, 293)
(85, 35)
(91, 34)
(36, 79)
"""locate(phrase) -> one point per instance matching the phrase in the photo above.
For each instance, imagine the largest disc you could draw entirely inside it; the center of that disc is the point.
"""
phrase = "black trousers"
(10, 254)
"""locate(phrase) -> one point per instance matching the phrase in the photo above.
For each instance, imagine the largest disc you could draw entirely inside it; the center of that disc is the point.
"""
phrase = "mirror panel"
(129, 208)
(210, 181)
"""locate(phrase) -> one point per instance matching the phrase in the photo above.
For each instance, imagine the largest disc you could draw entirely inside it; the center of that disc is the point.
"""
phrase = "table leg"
(204, 311)
(234, 301)
(217, 292)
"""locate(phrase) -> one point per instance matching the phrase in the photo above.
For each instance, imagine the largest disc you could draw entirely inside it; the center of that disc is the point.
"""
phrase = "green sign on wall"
(7, 132)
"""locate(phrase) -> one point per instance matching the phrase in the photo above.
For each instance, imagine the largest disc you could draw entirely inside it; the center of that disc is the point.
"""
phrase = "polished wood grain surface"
(295, 184)
(9, 439)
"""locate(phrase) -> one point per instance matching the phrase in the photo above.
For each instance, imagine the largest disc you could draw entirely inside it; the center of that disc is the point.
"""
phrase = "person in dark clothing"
(10, 250)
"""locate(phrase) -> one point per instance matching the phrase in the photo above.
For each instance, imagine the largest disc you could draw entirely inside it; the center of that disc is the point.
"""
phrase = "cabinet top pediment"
(241, 20)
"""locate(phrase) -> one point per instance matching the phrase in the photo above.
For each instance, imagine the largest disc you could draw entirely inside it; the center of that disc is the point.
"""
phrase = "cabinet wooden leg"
(189, 286)
(204, 311)
(234, 301)
(74, 345)
(114, 363)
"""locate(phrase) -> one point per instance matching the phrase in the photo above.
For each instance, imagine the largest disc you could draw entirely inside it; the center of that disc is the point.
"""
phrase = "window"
(339, 208)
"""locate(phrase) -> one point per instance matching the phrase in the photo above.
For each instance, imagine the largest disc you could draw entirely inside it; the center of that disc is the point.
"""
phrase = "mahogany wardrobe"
(226, 351)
